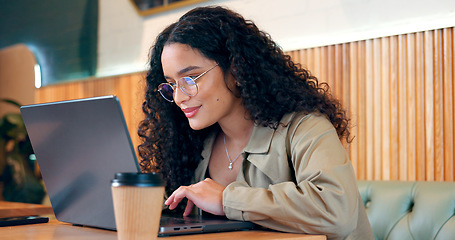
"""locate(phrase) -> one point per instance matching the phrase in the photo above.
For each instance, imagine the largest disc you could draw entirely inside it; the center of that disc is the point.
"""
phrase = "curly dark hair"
(265, 75)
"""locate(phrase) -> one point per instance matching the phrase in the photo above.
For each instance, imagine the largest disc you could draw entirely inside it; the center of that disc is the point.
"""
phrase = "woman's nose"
(180, 96)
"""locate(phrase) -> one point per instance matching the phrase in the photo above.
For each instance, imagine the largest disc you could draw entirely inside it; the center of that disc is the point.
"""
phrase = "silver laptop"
(80, 145)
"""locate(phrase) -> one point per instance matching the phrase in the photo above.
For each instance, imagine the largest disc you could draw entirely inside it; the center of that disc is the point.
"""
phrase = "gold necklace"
(227, 154)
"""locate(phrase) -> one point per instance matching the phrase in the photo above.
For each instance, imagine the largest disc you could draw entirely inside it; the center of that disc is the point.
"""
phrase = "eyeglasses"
(188, 86)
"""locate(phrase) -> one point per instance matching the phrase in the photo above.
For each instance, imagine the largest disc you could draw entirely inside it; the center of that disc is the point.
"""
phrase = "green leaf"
(10, 101)
(15, 119)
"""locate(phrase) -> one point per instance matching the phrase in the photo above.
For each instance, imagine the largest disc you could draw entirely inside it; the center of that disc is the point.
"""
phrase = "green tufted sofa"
(410, 210)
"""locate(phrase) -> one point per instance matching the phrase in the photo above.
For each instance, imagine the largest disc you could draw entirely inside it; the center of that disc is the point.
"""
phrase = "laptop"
(80, 145)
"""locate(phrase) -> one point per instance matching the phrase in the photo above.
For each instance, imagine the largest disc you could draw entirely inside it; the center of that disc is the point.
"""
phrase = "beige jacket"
(297, 179)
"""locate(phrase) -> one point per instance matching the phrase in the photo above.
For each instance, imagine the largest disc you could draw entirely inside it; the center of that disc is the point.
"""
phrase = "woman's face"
(214, 102)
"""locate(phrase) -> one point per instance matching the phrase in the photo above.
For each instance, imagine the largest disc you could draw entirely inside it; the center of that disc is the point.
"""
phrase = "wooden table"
(63, 231)
(14, 209)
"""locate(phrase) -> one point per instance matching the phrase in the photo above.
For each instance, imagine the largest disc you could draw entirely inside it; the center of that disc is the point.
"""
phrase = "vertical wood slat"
(376, 119)
(369, 116)
(449, 110)
(402, 141)
(429, 105)
(386, 96)
(393, 89)
(361, 99)
(398, 92)
(411, 106)
(438, 107)
(420, 103)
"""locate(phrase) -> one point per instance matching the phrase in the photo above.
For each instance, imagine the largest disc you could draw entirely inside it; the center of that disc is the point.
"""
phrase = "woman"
(238, 129)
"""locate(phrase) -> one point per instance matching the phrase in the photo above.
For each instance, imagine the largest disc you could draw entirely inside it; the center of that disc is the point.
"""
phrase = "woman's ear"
(231, 83)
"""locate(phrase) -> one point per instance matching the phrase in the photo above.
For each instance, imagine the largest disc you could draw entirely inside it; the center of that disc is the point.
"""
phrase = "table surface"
(15, 209)
(62, 231)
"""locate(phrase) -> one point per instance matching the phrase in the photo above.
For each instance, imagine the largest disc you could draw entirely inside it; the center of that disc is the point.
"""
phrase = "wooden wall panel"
(128, 88)
(398, 92)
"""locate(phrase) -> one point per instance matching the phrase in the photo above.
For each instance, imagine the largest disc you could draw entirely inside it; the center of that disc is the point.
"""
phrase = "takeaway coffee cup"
(138, 200)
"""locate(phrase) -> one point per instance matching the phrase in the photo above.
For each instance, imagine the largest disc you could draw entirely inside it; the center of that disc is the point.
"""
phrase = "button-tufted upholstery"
(410, 210)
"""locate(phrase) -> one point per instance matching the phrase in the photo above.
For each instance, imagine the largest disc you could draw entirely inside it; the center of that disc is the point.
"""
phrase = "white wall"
(125, 37)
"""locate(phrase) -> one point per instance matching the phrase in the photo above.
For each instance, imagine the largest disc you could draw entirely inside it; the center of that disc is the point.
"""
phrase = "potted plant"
(20, 180)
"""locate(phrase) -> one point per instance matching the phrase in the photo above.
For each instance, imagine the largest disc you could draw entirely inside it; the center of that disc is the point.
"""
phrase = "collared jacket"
(297, 178)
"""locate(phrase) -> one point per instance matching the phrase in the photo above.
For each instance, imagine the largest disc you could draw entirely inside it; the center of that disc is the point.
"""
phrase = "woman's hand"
(207, 195)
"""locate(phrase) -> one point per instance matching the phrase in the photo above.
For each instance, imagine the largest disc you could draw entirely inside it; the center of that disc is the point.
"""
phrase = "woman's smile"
(191, 111)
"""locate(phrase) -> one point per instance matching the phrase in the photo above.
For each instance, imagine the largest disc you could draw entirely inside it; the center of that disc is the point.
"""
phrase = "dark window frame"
(165, 6)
